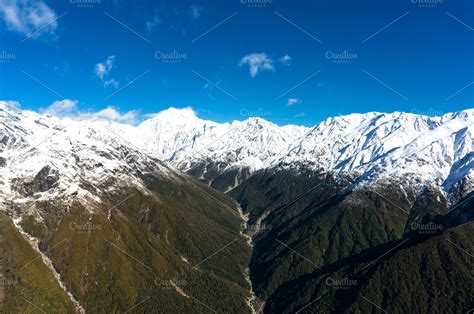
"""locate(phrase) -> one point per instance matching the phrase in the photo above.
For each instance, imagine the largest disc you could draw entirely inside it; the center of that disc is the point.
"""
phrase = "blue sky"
(287, 61)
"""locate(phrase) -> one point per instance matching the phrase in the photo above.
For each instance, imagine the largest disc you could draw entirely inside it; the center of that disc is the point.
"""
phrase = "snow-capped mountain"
(371, 146)
(43, 158)
(174, 133)
(180, 138)
(207, 150)
(377, 145)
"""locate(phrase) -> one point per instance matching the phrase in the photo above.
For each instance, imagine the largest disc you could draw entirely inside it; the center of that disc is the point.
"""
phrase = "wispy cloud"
(286, 60)
(102, 71)
(257, 62)
(28, 17)
(9, 104)
(111, 82)
(153, 23)
(300, 115)
(111, 113)
(195, 12)
(293, 101)
(62, 108)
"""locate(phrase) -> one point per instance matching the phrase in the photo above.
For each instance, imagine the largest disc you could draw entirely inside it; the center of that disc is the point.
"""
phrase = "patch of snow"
(34, 243)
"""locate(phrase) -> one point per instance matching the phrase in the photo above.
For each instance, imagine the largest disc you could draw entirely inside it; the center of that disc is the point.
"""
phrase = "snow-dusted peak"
(256, 122)
(174, 116)
(172, 133)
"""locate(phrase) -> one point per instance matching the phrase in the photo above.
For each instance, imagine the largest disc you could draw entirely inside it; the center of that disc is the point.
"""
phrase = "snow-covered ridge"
(372, 145)
(435, 149)
(43, 158)
(396, 145)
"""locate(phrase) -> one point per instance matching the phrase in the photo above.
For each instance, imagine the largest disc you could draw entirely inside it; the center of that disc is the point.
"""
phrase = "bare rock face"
(4, 140)
(3, 162)
(46, 179)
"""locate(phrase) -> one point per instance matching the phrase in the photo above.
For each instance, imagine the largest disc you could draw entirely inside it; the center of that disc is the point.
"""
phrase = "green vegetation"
(176, 247)
(26, 284)
(329, 230)
(324, 226)
(420, 275)
(173, 248)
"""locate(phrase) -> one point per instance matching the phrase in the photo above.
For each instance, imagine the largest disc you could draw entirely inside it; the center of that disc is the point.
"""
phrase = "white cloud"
(257, 62)
(286, 59)
(100, 70)
(293, 101)
(111, 82)
(111, 113)
(28, 17)
(9, 104)
(153, 23)
(195, 11)
(67, 108)
(103, 69)
(62, 108)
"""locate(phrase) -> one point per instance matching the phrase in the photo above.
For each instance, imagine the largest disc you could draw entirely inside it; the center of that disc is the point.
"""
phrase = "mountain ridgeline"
(365, 213)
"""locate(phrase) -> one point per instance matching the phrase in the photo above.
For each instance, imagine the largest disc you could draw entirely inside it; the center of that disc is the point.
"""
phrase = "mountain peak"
(176, 114)
(258, 123)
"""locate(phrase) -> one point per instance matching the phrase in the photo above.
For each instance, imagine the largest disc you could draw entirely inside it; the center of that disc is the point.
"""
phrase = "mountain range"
(371, 146)
(245, 216)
